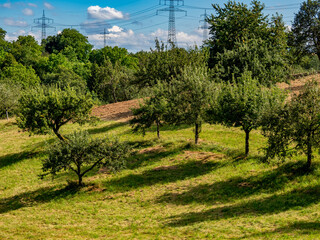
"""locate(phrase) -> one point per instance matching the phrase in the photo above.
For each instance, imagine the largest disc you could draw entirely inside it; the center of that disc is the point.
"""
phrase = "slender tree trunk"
(247, 142)
(79, 175)
(7, 114)
(114, 94)
(309, 152)
(158, 129)
(196, 133)
(56, 132)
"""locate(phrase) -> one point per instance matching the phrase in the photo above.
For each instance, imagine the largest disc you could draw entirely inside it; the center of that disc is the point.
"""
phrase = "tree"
(294, 127)
(69, 42)
(9, 95)
(153, 110)
(305, 31)
(188, 98)
(26, 50)
(83, 153)
(163, 64)
(242, 104)
(111, 82)
(42, 110)
(20, 75)
(236, 22)
(265, 62)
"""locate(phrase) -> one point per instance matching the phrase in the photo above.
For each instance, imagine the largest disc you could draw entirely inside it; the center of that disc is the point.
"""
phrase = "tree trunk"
(7, 114)
(247, 142)
(309, 152)
(114, 95)
(79, 179)
(158, 129)
(56, 132)
(196, 133)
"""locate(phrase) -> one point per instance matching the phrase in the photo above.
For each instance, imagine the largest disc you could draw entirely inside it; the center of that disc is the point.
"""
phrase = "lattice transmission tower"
(43, 23)
(172, 20)
(205, 26)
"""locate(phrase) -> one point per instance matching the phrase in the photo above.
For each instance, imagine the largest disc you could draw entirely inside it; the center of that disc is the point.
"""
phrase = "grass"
(171, 189)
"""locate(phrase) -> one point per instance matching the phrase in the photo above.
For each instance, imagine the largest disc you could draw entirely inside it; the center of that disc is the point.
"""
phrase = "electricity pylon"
(172, 39)
(43, 23)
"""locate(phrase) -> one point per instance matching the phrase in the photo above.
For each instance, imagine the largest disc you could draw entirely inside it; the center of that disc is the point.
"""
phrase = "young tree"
(83, 153)
(42, 110)
(242, 104)
(9, 95)
(188, 98)
(152, 110)
(294, 127)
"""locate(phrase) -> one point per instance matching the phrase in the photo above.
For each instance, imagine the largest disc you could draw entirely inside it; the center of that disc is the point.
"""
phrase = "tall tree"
(236, 22)
(305, 31)
(71, 43)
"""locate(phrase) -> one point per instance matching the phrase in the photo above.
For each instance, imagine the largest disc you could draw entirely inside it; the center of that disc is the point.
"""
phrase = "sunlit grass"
(171, 189)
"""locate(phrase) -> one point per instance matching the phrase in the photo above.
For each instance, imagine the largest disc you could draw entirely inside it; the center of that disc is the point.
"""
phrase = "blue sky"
(130, 24)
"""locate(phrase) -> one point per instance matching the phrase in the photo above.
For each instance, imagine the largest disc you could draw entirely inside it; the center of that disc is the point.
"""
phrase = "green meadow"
(171, 189)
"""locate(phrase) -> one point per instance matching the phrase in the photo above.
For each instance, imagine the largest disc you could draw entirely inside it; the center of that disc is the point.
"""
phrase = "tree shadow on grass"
(107, 128)
(32, 198)
(164, 174)
(237, 187)
(11, 159)
(277, 203)
(299, 227)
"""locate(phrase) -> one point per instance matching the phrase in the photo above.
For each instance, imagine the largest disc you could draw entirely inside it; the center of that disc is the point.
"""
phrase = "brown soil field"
(121, 111)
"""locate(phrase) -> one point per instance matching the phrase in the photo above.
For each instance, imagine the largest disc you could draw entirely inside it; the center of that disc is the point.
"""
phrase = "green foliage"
(304, 36)
(242, 104)
(64, 78)
(82, 154)
(164, 64)
(9, 95)
(112, 83)
(294, 127)
(20, 75)
(188, 98)
(237, 23)
(153, 110)
(26, 50)
(265, 62)
(115, 55)
(69, 42)
(42, 110)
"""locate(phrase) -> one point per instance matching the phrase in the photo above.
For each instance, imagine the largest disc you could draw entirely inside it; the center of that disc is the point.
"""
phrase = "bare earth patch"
(156, 149)
(202, 156)
(120, 111)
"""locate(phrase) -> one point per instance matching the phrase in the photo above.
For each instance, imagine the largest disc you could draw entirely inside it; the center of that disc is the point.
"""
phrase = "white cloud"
(15, 23)
(48, 6)
(107, 13)
(27, 12)
(32, 5)
(138, 41)
(6, 5)
(115, 29)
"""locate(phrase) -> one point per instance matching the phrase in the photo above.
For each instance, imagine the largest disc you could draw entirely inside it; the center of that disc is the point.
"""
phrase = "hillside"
(171, 189)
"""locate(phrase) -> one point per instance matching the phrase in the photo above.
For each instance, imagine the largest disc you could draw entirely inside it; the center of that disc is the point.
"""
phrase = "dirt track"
(121, 111)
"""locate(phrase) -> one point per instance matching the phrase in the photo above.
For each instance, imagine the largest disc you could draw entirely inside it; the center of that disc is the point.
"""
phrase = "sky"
(130, 24)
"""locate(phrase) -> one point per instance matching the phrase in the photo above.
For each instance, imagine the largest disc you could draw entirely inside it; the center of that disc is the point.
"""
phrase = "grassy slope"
(171, 190)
